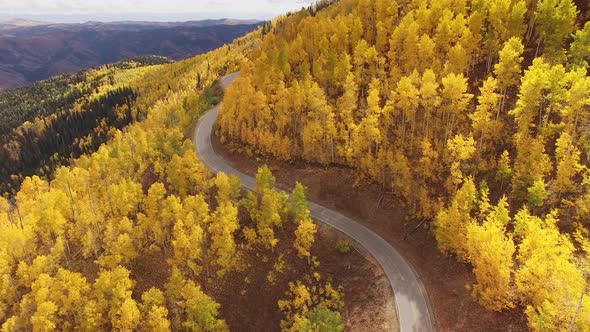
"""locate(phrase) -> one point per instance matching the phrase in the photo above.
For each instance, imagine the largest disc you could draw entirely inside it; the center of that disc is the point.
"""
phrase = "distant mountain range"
(32, 50)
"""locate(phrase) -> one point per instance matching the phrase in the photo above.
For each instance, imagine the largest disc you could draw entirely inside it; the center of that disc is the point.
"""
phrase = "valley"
(36, 51)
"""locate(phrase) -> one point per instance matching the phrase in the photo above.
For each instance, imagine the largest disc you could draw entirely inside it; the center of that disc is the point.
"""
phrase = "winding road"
(413, 307)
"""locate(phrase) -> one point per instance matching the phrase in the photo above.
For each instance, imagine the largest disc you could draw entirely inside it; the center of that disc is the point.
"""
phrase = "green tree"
(554, 22)
(580, 48)
(299, 206)
(320, 319)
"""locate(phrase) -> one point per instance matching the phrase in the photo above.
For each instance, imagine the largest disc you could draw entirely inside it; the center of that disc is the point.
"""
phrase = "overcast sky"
(158, 10)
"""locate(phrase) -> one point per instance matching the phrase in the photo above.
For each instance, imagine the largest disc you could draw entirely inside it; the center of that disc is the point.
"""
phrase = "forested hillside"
(50, 123)
(136, 235)
(473, 114)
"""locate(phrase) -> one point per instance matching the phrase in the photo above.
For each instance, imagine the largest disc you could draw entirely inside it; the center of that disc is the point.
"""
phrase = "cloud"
(151, 6)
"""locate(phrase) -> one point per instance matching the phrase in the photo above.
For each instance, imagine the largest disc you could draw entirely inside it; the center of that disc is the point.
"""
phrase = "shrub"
(343, 246)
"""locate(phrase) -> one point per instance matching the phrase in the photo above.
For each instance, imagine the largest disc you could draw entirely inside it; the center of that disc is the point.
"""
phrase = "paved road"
(413, 307)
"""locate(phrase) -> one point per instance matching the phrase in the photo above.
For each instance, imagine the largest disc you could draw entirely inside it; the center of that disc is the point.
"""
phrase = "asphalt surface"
(413, 307)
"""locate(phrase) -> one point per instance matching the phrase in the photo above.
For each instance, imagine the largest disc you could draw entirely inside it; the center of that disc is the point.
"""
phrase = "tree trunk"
(532, 20)
(573, 322)
(19, 217)
(538, 46)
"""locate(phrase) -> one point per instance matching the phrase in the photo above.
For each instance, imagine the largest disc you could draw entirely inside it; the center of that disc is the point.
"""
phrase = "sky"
(71, 11)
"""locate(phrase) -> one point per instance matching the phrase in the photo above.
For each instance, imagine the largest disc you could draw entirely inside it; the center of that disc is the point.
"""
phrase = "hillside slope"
(472, 114)
(139, 236)
(50, 123)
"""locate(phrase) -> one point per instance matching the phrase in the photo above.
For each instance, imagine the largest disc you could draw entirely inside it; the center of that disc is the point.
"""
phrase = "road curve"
(413, 307)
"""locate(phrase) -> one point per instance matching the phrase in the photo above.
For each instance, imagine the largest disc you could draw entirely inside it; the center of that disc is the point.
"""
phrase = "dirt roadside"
(445, 279)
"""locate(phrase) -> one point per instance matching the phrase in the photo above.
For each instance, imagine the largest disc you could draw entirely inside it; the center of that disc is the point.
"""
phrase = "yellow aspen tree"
(27, 274)
(44, 319)
(385, 14)
(484, 125)
(547, 280)
(567, 157)
(7, 292)
(409, 55)
(154, 314)
(297, 306)
(70, 292)
(149, 228)
(155, 320)
(124, 198)
(119, 248)
(491, 251)
(367, 137)
(111, 289)
(443, 32)
(429, 167)
(186, 253)
(407, 101)
(470, 40)
(458, 60)
(429, 98)
(531, 96)
(460, 149)
(186, 174)
(304, 238)
(506, 20)
(267, 217)
(236, 116)
(365, 62)
(128, 316)
(508, 70)
(455, 100)
(577, 97)
(366, 12)
(268, 211)
(401, 175)
(504, 169)
(451, 223)
(264, 179)
(188, 235)
(222, 233)
(201, 311)
(427, 55)
(319, 131)
(228, 188)
(173, 292)
(42, 210)
(530, 165)
(171, 211)
(347, 106)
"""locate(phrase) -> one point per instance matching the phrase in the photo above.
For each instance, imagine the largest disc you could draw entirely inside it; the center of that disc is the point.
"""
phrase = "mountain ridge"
(27, 26)
(36, 52)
